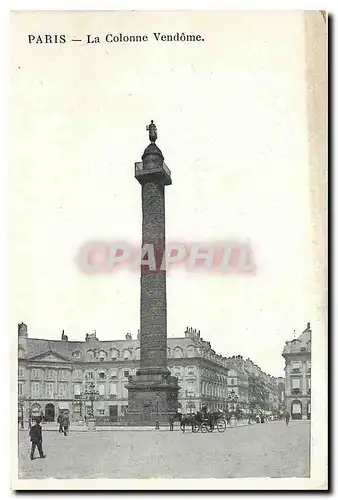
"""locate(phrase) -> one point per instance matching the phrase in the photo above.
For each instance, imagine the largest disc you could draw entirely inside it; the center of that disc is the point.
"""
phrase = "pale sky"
(232, 126)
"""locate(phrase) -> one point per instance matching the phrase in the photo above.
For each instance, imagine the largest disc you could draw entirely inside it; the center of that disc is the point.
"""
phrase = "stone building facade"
(297, 355)
(53, 375)
(254, 389)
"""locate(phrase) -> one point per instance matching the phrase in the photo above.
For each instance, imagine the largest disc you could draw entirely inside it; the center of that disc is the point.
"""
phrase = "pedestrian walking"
(36, 438)
(287, 418)
(65, 424)
(171, 422)
(59, 420)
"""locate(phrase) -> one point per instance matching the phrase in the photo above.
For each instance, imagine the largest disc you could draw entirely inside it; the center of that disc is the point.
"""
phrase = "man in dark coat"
(59, 419)
(65, 424)
(171, 422)
(36, 438)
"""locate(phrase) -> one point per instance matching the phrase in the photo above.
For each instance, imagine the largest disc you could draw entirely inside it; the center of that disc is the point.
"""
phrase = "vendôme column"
(152, 393)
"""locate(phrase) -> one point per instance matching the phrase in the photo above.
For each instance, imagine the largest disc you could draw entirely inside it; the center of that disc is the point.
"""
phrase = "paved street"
(261, 450)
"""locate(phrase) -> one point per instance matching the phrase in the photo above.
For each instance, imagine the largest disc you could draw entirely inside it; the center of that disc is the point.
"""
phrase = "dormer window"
(126, 354)
(76, 354)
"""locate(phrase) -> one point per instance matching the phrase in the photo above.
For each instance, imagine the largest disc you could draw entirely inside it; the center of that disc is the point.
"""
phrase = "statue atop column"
(152, 131)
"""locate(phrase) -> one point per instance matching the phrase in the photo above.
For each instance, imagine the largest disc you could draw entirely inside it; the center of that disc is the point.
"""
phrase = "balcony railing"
(139, 168)
(295, 391)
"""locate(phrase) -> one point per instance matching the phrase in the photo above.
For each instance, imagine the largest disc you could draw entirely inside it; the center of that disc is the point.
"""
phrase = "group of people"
(35, 433)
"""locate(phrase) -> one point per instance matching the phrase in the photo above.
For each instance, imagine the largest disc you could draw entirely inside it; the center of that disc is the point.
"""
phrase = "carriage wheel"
(204, 427)
(211, 428)
(221, 425)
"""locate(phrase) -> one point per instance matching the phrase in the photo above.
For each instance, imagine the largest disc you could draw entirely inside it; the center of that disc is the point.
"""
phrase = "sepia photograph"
(168, 250)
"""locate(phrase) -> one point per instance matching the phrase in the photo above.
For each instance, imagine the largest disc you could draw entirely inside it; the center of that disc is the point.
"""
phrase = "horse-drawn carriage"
(200, 422)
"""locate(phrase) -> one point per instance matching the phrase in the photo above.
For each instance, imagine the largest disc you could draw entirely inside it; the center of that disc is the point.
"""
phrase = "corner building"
(297, 355)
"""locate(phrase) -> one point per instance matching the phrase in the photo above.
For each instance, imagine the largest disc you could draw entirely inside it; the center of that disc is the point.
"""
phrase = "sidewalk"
(53, 427)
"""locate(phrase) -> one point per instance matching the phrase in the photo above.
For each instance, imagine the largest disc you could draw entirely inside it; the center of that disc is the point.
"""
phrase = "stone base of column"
(151, 397)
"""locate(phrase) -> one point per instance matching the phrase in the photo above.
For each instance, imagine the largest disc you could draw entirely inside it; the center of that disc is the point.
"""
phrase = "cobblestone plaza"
(260, 450)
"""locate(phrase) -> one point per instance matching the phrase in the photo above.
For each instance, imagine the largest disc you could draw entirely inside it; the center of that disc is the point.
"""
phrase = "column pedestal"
(151, 397)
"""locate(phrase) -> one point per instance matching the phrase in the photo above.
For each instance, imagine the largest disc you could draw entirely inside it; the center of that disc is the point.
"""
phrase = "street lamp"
(91, 395)
(190, 399)
(80, 398)
(232, 401)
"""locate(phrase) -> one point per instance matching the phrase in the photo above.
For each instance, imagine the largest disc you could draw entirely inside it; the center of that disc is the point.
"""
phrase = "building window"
(35, 389)
(35, 373)
(76, 354)
(308, 366)
(126, 354)
(20, 388)
(101, 389)
(296, 407)
(102, 375)
(295, 383)
(63, 390)
(63, 375)
(20, 371)
(102, 355)
(178, 352)
(124, 392)
(309, 383)
(295, 366)
(191, 351)
(115, 354)
(113, 389)
(77, 375)
(49, 374)
(77, 389)
(100, 413)
(113, 374)
(126, 374)
(89, 375)
(49, 390)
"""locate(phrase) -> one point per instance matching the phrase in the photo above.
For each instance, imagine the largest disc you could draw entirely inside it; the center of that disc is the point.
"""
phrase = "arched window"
(191, 351)
(126, 354)
(114, 353)
(35, 410)
(102, 355)
(296, 409)
(90, 354)
(178, 353)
